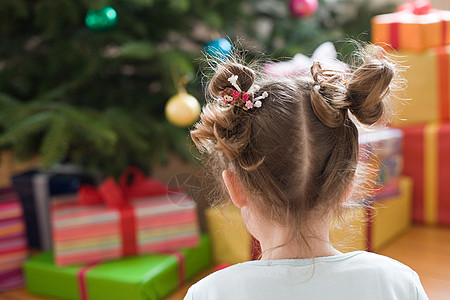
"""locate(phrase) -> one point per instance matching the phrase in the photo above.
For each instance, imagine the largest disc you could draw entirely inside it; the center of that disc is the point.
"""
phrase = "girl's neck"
(312, 247)
(276, 242)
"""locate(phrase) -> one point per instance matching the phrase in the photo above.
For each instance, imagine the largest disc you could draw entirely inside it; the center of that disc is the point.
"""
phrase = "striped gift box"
(13, 245)
(83, 234)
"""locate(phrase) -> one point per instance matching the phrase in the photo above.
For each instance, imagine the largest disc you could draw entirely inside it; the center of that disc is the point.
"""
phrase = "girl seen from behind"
(287, 152)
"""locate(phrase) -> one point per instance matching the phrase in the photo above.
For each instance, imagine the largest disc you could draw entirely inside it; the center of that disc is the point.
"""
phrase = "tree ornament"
(303, 8)
(182, 110)
(220, 48)
(101, 19)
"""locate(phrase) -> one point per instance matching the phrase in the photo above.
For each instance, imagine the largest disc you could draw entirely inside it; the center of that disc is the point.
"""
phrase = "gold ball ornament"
(182, 110)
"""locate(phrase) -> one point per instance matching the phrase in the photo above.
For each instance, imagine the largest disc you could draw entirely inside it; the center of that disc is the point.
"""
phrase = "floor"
(425, 249)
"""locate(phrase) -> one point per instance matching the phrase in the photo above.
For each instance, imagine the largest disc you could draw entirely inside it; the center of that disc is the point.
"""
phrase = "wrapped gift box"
(373, 227)
(363, 228)
(13, 244)
(146, 277)
(86, 233)
(230, 239)
(427, 161)
(349, 232)
(382, 149)
(35, 188)
(412, 30)
(390, 217)
(428, 87)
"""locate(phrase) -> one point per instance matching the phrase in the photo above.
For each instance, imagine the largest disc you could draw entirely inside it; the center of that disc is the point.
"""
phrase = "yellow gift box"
(349, 232)
(390, 217)
(230, 239)
(358, 229)
(428, 87)
(373, 227)
(407, 30)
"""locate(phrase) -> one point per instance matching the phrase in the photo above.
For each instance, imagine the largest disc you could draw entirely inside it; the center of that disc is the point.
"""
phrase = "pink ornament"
(236, 94)
(249, 104)
(303, 8)
(245, 97)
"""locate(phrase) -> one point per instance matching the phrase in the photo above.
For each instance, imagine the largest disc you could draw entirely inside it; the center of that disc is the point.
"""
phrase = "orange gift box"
(412, 28)
(426, 159)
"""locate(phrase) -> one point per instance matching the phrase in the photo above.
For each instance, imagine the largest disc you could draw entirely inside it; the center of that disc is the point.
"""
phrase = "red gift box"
(427, 160)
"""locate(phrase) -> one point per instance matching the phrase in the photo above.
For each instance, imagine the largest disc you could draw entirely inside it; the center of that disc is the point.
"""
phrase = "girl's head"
(297, 153)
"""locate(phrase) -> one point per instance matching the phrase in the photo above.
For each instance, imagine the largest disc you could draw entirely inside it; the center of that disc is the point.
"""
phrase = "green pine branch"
(56, 143)
(25, 128)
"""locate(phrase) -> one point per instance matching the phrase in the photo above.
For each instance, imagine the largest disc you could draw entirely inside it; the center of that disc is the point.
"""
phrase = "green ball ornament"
(102, 19)
(182, 110)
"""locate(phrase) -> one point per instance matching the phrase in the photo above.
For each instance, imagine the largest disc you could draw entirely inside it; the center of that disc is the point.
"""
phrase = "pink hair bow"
(300, 64)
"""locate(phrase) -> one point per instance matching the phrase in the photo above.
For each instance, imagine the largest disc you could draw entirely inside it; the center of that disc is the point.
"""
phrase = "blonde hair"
(299, 151)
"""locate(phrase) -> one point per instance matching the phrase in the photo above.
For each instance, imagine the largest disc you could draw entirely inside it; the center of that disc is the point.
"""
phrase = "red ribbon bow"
(133, 185)
(419, 7)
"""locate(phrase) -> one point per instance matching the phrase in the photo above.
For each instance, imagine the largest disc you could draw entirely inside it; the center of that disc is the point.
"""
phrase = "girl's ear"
(234, 188)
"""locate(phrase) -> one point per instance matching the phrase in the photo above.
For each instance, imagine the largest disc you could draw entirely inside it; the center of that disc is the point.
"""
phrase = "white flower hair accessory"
(238, 98)
(233, 80)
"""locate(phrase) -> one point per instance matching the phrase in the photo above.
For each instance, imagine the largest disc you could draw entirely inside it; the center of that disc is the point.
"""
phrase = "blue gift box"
(35, 188)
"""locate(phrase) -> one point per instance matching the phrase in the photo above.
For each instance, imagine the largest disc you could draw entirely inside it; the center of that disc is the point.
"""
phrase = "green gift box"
(146, 277)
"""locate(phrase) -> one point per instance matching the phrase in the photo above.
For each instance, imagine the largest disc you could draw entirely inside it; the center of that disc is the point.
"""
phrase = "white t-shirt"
(358, 275)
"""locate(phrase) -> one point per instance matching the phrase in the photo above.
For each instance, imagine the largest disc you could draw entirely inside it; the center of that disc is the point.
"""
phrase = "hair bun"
(219, 82)
(328, 96)
(370, 85)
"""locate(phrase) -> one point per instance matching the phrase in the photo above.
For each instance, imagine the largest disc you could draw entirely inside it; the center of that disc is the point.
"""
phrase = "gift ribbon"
(82, 283)
(111, 194)
(181, 272)
(431, 173)
(444, 175)
(128, 230)
(443, 81)
(444, 32)
(394, 35)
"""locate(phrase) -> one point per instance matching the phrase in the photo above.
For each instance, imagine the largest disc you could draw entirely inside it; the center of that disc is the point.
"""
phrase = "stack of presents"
(138, 239)
(132, 239)
(413, 155)
(420, 37)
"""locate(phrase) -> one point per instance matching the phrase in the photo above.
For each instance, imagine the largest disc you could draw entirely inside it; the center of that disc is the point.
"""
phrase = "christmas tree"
(79, 89)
